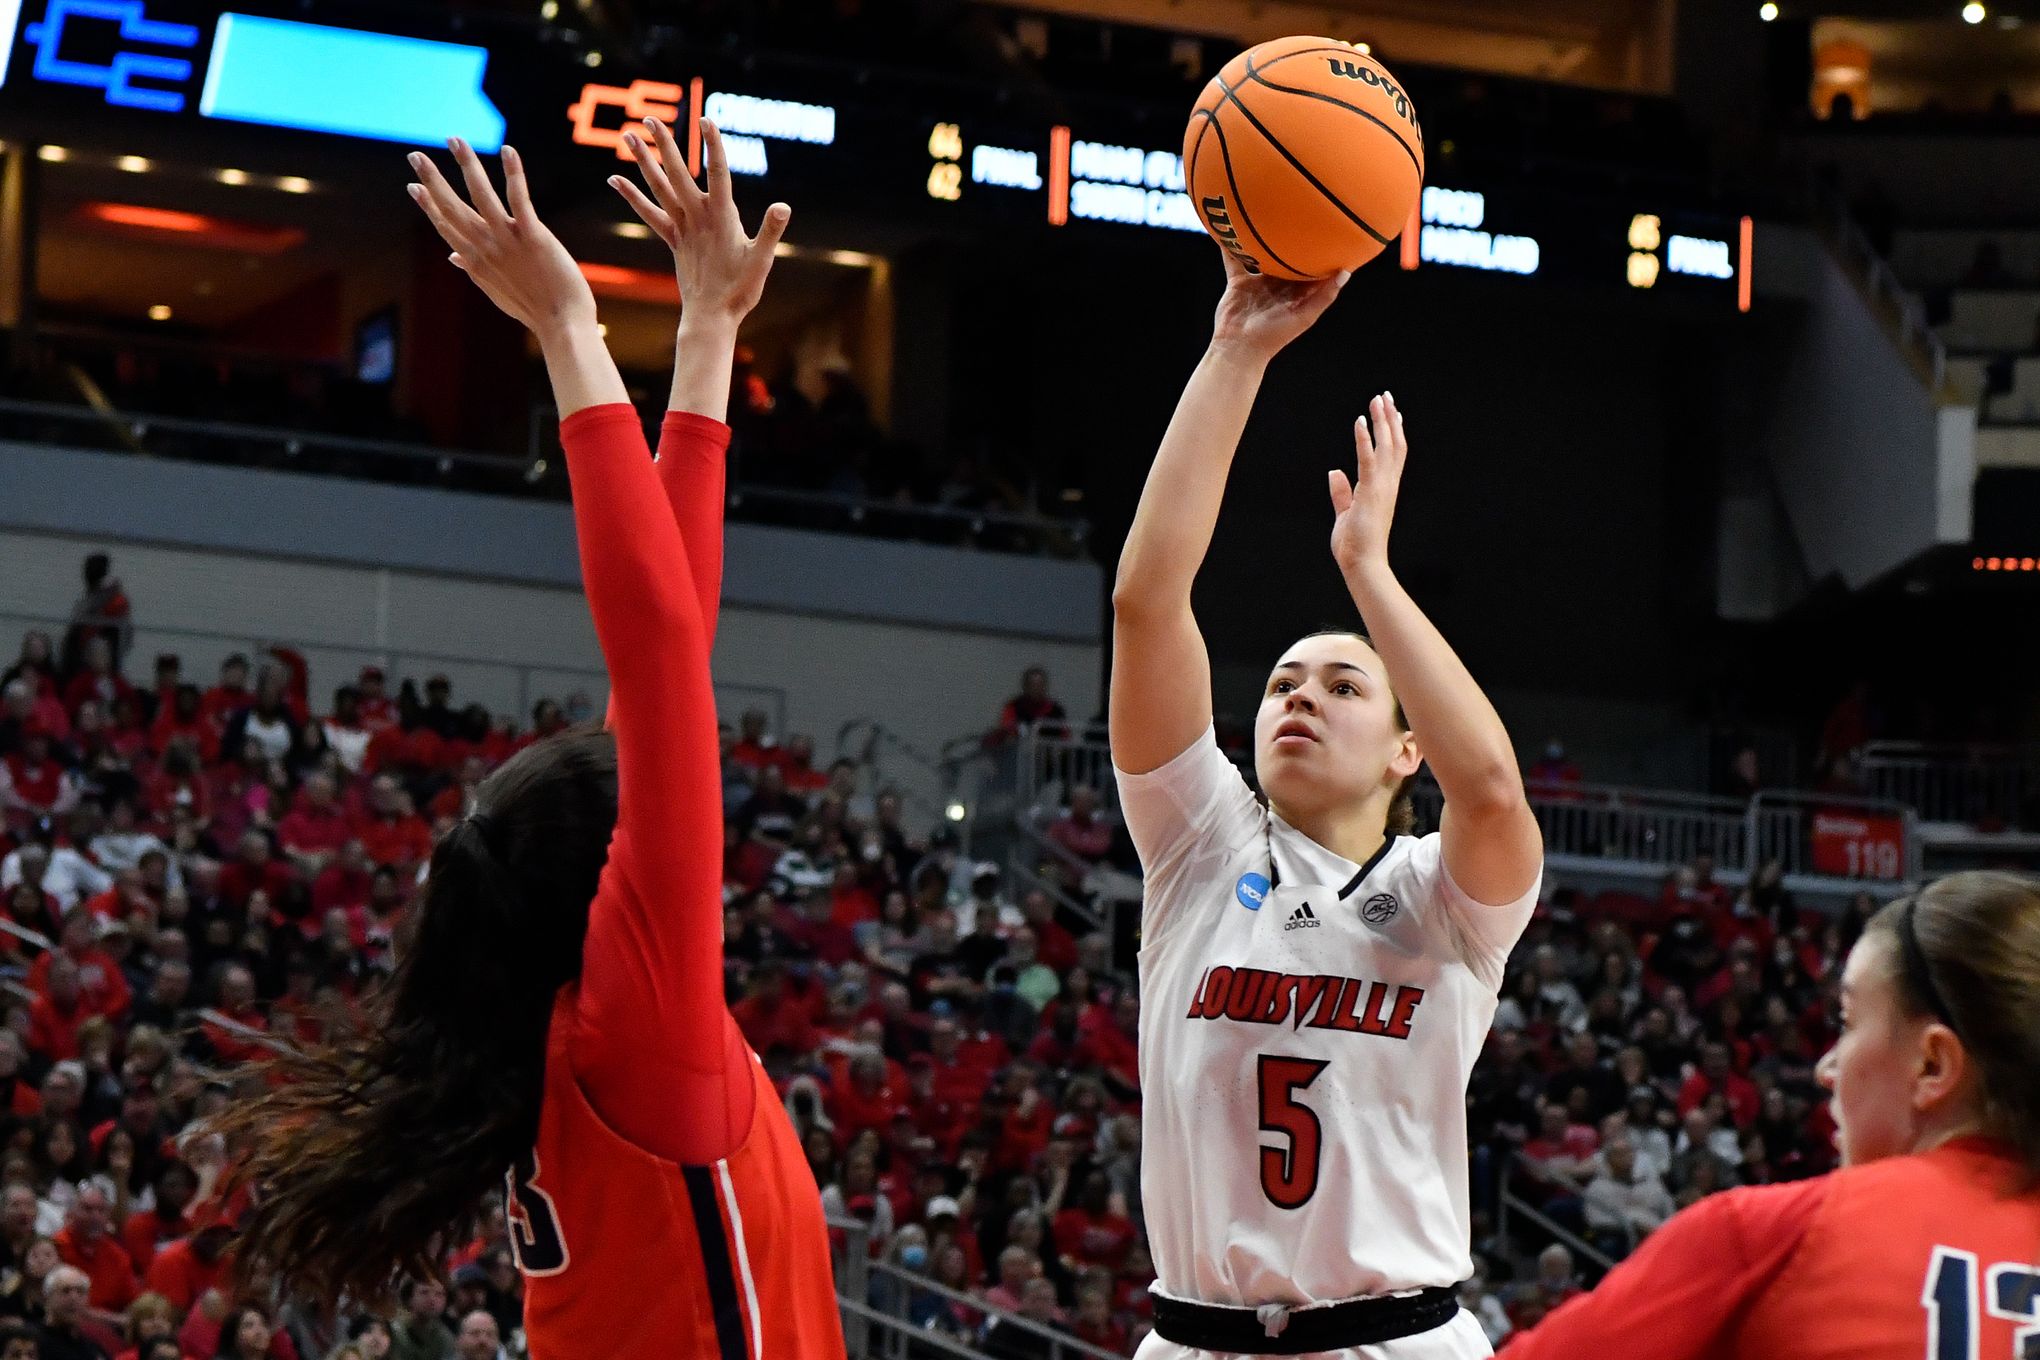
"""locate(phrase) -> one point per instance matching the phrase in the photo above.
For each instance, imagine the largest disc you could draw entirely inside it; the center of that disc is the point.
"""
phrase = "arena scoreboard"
(100, 71)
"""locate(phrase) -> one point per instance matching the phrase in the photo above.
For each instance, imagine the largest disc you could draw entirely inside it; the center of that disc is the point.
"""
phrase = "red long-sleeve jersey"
(667, 1209)
(1936, 1255)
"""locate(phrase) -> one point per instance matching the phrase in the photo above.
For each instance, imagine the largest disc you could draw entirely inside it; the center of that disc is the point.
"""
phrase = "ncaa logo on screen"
(1379, 909)
(1252, 890)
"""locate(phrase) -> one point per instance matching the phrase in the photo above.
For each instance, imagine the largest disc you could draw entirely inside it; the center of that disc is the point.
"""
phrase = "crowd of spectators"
(191, 874)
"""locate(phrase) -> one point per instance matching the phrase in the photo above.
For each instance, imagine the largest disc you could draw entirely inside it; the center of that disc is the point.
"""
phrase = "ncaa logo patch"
(1379, 908)
(1252, 890)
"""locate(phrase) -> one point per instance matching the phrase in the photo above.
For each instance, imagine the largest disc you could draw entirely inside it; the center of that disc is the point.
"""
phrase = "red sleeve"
(1688, 1285)
(653, 1045)
(693, 464)
(693, 457)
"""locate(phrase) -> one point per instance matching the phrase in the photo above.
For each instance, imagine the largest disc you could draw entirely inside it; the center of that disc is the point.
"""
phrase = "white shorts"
(1459, 1339)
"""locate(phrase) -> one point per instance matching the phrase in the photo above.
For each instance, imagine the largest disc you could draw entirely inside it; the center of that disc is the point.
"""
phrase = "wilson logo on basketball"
(1367, 75)
(1222, 227)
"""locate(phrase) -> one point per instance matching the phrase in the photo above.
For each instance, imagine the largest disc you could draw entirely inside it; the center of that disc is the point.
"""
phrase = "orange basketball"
(1304, 157)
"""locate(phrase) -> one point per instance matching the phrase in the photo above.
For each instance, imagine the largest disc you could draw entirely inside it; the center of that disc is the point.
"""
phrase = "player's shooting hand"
(1261, 315)
(1365, 507)
(721, 270)
(507, 251)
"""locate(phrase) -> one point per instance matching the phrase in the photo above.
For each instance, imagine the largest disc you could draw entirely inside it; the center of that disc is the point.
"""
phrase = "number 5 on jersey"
(535, 1238)
(1289, 1176)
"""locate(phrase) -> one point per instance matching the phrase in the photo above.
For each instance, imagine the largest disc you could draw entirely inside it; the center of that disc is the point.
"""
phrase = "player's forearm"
(581, 370)
(1179, 505)
(1458, 730)
(704, 356)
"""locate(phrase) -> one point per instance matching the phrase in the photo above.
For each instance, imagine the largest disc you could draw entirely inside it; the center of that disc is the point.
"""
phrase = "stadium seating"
(958, 1052)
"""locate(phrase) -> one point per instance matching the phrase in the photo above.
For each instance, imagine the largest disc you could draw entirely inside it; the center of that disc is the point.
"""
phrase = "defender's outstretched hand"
(1364, 508)
(720, 268)
(508, 252)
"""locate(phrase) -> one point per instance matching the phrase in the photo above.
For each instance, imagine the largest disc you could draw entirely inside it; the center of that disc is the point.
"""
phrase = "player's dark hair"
(367, 1152)
(1402, 809)
(1966, 951)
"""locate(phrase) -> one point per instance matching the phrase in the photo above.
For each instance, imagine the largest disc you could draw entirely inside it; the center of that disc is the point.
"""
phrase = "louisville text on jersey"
(1259, 996)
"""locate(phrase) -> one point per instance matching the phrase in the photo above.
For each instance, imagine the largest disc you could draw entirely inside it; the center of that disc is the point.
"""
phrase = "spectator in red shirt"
(97, 679)
(57, 1013)
(316, 829)
(101, 984)
(796, 762)
(347, 882)
(1714, 1074)
(254, 868)
(169, 677)
(185, 1268)
(1080, 830)
(147, 1230)
(957, 1081)
(1031, 707)
(183, 717)
(1093, 1232)
(33, 782)
(1108, 1040)
(754, 749)
(391, 832)
(230, 696)
(236, 1003)
(457, 798)
(772, 1021)
(1053, 943)
(866, 1100)
(376, 708)
(850, 902)
(87, 1243)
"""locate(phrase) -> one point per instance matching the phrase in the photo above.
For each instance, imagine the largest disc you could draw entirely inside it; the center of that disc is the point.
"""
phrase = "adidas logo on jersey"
(1303, 918)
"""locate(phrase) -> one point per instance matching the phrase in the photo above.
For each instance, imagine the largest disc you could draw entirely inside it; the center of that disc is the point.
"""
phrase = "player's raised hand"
(721, 269)
(1262, 315)
(507, 251)
(1364, 508)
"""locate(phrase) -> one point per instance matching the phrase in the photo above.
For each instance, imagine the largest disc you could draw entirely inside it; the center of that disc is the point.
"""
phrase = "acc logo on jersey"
(1379, 908)
(1252, 890)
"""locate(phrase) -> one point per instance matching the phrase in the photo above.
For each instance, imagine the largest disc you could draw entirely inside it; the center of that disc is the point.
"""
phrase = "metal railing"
(400, 662)
(1030, 848)
(1967, 784)
(877, 1298)
(1514, 1205)
(931, 784)
(1791, 828)
(1882, 288)
(538, 471)
(1634, 832)
(1641, 830)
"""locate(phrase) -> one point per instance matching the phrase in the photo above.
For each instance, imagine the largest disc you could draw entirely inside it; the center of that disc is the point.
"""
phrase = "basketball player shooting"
(1316, 981)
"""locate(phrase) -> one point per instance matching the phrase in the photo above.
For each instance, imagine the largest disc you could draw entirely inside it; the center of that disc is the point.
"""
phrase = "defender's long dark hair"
(365, 1153)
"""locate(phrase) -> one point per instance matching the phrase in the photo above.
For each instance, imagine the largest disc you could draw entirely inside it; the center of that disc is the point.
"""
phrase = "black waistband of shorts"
(1336, 1327)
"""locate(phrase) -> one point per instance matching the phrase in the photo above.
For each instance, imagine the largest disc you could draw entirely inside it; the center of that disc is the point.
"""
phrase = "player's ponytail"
(368, 1154)
(1967, 948)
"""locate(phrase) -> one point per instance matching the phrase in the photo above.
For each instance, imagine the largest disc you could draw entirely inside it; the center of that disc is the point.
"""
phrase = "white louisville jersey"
(1307, 1028)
